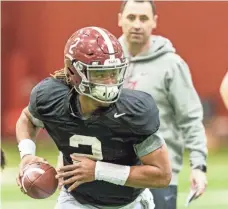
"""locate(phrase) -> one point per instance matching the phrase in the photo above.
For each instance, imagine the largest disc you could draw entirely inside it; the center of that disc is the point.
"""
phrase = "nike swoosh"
(169, 197)
(118, 115)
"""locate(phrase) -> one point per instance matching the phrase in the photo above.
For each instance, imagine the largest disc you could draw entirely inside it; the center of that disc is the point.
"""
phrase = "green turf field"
(216, 196)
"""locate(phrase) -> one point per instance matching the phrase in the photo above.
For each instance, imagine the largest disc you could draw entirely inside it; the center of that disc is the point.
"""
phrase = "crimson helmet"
(95, 64)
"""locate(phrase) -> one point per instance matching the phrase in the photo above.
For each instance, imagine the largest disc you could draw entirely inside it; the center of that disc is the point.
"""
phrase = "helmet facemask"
(102, 83)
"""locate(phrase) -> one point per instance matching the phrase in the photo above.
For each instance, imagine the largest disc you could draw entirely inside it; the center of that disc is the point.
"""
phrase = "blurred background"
(33, 35)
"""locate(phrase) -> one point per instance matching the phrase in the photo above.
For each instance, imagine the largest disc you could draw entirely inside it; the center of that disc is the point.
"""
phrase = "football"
(38, 180)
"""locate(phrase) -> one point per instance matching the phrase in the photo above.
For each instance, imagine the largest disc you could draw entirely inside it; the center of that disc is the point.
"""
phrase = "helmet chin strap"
(105, 93)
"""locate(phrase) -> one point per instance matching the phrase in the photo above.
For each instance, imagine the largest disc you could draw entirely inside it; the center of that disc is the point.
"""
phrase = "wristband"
(26, 147)
(113, 173)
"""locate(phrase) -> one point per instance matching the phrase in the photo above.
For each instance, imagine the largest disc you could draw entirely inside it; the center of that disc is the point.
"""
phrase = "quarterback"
(108, 136)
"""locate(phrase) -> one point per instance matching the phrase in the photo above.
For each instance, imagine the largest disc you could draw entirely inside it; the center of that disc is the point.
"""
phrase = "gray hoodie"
(163, 74)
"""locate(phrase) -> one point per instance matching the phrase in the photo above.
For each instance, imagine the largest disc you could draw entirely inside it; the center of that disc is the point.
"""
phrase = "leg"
(66, 200)
(143, 201)
(165, 198)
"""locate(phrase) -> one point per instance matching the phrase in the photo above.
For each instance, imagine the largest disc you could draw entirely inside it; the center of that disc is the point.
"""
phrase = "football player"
(108, 136)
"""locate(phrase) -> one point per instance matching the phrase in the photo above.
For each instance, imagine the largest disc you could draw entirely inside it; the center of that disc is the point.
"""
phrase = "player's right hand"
(27, 159)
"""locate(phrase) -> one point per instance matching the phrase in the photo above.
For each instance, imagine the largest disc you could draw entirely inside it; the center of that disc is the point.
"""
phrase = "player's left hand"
(198, 181)
(82, 171)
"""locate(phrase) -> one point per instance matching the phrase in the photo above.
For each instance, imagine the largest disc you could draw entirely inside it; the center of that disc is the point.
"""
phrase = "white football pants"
(67, 201)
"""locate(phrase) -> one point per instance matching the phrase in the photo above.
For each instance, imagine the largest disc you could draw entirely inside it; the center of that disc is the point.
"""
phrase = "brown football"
(39, 180)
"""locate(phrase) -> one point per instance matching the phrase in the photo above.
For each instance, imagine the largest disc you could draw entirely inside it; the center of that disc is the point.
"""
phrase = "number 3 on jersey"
(93, 142)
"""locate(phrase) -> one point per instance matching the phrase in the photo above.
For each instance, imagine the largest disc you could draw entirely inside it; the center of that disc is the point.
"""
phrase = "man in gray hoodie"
(156, 69)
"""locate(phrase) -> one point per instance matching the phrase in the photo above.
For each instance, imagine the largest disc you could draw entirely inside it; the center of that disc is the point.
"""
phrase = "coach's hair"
(139, 1)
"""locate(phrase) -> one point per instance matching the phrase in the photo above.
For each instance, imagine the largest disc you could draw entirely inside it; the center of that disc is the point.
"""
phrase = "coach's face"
(137, 21)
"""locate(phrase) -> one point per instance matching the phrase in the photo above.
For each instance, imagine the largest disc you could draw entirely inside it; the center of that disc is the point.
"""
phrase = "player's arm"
(29, 122)
(27, 128)
(224, 90)
(156, 169)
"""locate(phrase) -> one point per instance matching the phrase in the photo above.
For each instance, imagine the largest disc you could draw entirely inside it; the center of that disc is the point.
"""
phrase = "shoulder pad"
(141, 112)
(48, 96)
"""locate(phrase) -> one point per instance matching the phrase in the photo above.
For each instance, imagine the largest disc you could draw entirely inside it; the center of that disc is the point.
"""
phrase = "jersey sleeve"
(32, 107)
(150, 144)
(47, 99)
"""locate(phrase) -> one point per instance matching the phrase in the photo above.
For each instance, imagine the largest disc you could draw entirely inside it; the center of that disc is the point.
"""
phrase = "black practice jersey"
(109, 135)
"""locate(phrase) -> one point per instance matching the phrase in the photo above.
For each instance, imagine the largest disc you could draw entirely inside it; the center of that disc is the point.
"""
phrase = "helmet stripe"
(107, 41)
